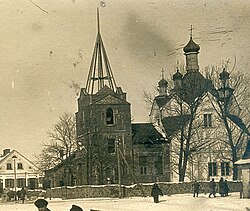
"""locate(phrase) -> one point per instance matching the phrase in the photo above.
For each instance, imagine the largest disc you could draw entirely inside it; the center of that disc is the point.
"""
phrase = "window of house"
(212, 169)
(225, 168)
(207, 120)
(19, 166)
(21, 182)
(143, 165)
(111, 145)
(9, 166)
(158, 165)
(110, 116)
(9, 183)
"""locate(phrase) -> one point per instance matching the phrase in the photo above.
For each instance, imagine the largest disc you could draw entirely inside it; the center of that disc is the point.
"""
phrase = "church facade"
(115, 149)
(186, 136)
(209, 133)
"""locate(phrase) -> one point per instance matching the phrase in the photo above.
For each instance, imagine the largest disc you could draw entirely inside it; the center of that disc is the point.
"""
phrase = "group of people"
(223, 188)
(42, 204)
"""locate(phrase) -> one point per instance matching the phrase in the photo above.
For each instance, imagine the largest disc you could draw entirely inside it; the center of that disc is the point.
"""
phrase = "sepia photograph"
(125, 105)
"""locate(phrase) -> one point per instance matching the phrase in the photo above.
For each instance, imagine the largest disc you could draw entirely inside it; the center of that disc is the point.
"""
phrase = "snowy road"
(168, 203)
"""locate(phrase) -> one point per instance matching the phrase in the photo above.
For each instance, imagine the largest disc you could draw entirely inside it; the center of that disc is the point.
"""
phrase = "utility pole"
(119, 168)
(14, 160)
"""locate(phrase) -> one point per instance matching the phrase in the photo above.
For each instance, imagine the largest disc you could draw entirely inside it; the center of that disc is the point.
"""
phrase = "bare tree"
(236, 107)
(233, 111)
(62, 142)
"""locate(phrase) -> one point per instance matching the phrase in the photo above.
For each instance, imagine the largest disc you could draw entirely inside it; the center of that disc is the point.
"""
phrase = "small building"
(151, 153)
(244, 164)
(67, 173)
(16, 171)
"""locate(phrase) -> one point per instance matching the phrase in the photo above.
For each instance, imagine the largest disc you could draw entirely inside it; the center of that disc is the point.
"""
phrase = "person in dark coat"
(221, 187)
(41, 205)
(226, 187)
(76, 208)
(196, 188)
(212, 188)
(155, 192)
(22, 194)
(241, 190)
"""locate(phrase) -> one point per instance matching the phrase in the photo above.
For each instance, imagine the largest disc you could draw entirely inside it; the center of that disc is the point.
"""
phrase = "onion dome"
(177, 76)
(191, 47)
(162, 82)
(224, 75)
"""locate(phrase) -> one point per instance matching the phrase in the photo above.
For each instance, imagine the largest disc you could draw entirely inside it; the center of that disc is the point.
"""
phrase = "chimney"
(6, 151)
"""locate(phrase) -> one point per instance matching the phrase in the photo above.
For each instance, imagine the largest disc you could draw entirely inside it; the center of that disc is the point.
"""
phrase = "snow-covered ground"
(168, 203)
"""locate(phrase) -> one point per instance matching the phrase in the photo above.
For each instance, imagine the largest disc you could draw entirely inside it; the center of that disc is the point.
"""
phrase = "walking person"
(226, 187)
(196, 188)
(155, 192)
(221, 187)
(212, 188)
(241, 190)
(22, 194)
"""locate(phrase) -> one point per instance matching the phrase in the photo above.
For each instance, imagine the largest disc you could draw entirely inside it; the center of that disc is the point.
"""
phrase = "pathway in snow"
(167, 203)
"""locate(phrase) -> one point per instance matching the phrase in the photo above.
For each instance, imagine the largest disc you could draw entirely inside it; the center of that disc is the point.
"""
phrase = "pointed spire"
(100, 73)
(98, 21)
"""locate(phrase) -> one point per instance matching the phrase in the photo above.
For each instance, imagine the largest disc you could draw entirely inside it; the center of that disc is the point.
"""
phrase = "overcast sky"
(46, 47)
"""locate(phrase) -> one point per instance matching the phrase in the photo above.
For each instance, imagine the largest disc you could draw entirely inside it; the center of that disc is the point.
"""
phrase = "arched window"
(110, 116)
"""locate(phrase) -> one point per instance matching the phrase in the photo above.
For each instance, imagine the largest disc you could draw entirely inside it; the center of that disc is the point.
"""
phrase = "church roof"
(194, 85)
(224, 74)
(177, 75)
(173, 124)
(191, 47)
(162, 82)
(145, 133)
(238, 121)
(161, 100)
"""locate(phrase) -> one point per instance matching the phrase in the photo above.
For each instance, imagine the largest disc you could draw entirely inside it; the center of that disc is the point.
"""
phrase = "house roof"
(143, 133)
(14, 152)
(73, 157)
(243, 161)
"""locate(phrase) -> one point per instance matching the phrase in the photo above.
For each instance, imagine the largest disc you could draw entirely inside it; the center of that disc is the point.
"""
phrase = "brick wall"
(112, 191)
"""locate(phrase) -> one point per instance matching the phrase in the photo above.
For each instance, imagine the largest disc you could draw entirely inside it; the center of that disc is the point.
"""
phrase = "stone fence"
(112, 191)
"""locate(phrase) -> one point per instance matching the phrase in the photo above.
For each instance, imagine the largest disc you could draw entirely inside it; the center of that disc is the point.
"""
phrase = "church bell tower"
(103, 119)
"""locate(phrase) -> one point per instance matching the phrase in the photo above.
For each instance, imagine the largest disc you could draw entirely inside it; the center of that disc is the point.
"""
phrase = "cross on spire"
(191, 31)
(227, 62)
(177, 64)
(162, 73)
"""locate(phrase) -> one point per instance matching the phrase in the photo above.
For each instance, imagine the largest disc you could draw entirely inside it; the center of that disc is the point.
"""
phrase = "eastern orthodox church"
(112, 149)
